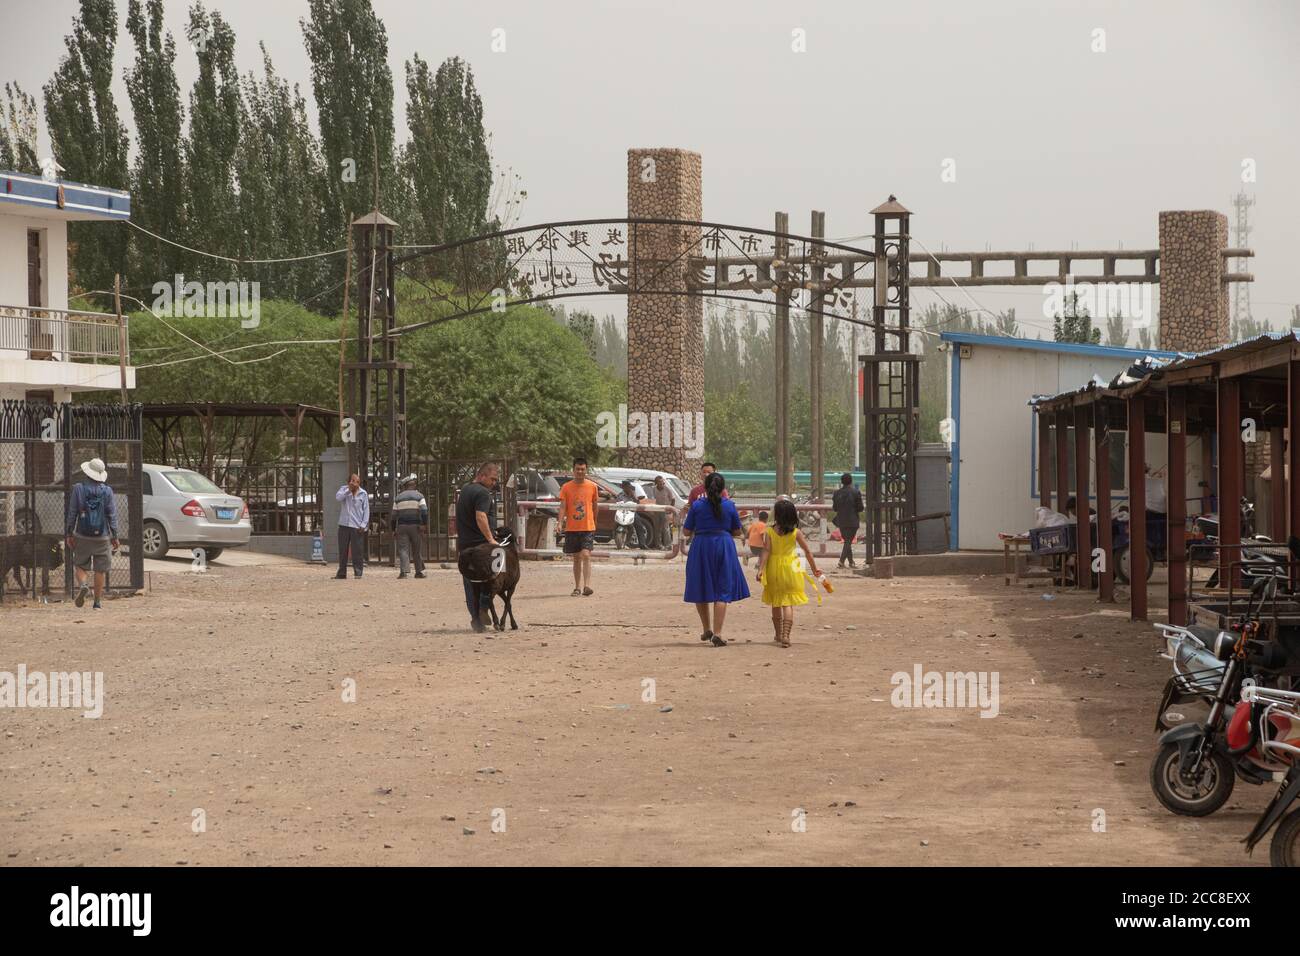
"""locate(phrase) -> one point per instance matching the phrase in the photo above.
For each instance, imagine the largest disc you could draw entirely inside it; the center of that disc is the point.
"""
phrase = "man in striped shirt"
(410, 516)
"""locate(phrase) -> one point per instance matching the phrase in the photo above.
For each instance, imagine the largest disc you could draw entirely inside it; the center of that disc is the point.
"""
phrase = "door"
(40, 331)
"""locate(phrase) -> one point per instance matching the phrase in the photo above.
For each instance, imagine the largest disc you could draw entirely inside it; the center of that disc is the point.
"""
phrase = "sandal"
(576, 593)
(706, 636)
(786, 628)
(718, 641)
(587, 592)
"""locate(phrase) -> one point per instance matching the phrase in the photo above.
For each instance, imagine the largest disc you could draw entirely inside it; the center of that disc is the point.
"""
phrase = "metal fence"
(42, 446)
(59, 334)
(283, 497)
(440, 481)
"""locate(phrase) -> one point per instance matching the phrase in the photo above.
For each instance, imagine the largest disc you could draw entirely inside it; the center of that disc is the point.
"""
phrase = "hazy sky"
(1053, 143)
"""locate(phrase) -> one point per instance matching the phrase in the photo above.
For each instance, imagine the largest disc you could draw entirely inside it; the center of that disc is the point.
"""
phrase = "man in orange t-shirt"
(578, 523)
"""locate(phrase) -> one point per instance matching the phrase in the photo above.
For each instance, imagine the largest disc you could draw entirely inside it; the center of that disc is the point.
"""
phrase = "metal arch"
(589, 257)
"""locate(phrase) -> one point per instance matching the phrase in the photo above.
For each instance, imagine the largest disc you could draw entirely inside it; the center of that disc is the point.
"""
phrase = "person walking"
(410, 516)
(714, 578)
(780, 571)
(91, 529)
(578, 500)
(354, 520)
(663, 537)
(847, 502)
(474, 511)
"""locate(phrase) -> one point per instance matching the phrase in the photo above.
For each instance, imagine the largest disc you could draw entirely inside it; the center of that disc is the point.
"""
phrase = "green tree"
(279, 170)
(213, 141)
(88, 138)
(447, 161)
(348, 48)
(1074, 324)
(158, 175)
(1116, 334)
(18, 131)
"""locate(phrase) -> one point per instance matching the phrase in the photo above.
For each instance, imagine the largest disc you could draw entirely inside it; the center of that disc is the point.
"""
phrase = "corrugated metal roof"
(1139, 376)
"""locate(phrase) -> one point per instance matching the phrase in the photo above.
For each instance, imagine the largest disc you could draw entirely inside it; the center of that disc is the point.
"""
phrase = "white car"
(645, 478)
(183, 509)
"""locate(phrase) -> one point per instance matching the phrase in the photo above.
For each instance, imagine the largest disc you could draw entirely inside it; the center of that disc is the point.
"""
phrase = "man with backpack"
(91, 528)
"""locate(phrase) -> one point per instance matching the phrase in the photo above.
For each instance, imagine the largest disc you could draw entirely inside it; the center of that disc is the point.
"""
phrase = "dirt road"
(225, 707)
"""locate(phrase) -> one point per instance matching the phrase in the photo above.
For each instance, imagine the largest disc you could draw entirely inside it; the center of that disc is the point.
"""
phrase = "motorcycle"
(1261, 556)
(1276, 722)
(1197, 763)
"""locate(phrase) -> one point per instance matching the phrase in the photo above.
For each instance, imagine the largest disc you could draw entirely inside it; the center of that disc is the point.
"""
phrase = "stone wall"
(1193, 296)
(665, 332)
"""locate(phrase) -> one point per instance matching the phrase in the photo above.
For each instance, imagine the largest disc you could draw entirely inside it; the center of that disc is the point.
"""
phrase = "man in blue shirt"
(91, 528)
(354, 520)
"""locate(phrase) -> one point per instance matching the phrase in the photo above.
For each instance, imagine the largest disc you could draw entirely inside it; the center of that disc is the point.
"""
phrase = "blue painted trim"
(78, 200)
(1039, 345)
(954, 489)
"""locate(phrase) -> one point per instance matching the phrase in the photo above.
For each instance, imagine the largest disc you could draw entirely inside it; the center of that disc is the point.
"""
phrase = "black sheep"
(493, 570)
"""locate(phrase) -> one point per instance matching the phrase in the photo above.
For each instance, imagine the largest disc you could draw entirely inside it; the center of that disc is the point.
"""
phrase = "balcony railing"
(60, 335)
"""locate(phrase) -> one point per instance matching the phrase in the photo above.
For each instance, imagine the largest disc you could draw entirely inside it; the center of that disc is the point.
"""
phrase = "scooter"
(1197, 764)
(1276, 719)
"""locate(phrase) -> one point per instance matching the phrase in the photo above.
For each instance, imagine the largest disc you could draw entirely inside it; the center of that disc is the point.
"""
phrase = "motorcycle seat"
(1204, 633)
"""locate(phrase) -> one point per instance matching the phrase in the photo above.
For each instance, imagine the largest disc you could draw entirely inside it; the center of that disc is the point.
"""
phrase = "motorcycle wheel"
(1284, 850)
(1213, 791)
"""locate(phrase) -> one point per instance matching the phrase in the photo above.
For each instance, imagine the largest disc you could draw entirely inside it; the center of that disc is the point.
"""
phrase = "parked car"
(533, 485)
(645, 477)
(183, 509)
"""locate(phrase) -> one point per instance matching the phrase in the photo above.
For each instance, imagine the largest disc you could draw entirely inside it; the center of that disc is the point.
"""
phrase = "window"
(146, 483)
(1118, 445)
(192, 483)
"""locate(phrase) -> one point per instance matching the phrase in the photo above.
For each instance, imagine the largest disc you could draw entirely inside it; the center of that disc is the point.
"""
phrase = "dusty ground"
(224, 694)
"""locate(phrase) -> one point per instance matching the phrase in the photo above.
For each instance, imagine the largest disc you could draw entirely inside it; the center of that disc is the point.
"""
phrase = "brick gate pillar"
(665, 332)
(1193, 295)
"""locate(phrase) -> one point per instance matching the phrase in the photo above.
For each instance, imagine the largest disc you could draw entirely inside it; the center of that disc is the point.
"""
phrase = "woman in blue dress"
(713, 574)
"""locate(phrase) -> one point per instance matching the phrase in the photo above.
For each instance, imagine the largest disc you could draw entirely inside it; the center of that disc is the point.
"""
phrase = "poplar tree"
(89, 140)
(158, 174)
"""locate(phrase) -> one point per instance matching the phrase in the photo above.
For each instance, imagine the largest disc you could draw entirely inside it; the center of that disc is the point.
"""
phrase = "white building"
(47, 353)
(994, 479)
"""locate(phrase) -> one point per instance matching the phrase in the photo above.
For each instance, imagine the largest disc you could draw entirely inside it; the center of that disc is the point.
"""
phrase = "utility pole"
(816, 327)
(781, 341)
(855, 400)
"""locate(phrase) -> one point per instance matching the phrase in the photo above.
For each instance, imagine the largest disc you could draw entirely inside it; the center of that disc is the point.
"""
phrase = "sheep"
(493, 570)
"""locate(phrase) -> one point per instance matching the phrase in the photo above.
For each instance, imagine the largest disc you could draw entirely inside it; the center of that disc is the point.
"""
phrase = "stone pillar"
(333, 475)
(665, 332)
(1193, 295)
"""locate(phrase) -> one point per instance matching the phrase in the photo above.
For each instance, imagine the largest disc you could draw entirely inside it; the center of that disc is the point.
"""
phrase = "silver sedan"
(183, 509)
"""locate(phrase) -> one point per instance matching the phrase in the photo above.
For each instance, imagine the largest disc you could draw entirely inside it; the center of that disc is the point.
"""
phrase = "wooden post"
(343, 326)
(121, 335)
(781, 341)
(1230, 463)
(1044, 459)
(1276, 485)
(1137, 511)
(1082, 526)
(1293, 453)
(1176, 502)
(815, 336)
(1062, 459)
(1101, 442)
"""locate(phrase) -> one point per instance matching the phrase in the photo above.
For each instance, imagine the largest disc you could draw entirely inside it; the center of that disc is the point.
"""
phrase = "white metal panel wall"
(997, 441)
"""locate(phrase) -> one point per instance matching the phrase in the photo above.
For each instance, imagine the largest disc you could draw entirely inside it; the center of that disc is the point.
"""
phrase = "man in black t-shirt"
(474, 513)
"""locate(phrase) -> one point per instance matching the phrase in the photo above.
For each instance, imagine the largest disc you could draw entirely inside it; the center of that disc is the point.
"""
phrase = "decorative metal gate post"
(377, 381)
(891, 399)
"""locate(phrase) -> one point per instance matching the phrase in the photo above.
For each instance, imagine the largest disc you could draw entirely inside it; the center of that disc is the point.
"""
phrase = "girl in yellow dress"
(779, 570)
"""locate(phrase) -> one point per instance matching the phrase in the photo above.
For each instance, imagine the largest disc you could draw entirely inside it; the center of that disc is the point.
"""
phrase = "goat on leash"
(493, 569)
